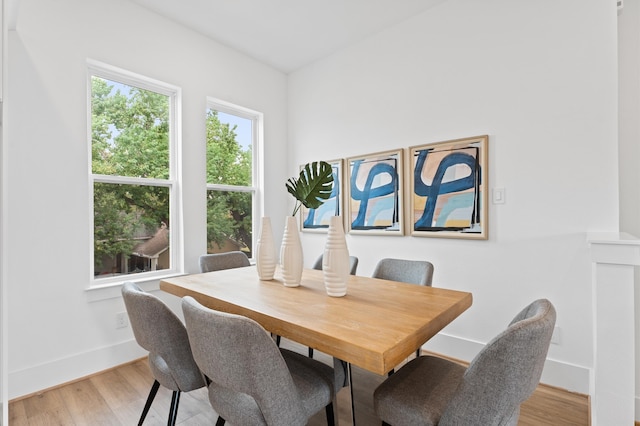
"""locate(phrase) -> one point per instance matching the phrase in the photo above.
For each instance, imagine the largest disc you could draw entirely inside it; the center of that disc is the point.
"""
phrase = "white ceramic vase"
(266, 251)
(335, 260)
(291, 259)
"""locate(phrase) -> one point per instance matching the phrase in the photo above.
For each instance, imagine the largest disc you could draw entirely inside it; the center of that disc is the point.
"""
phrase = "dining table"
(375, 326)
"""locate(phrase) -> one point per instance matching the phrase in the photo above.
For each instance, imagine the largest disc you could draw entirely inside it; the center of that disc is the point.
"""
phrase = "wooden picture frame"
(448, 189)
(374, 195)
(317, 220)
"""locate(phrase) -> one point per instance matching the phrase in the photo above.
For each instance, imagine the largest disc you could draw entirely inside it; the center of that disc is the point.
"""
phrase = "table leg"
(353, 409)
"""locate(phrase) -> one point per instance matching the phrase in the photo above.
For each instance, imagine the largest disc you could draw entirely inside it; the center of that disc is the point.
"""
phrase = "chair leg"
(310, 352)
(385, 424)
(173, 411)
(147, 405)
(330, 418)
(278, 340)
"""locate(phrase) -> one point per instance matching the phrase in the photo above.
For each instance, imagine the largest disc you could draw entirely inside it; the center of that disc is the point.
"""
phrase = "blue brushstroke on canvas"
(374, 193)
(437, 187)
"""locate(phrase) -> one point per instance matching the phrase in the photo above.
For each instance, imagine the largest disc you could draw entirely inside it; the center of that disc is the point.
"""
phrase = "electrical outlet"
(555, 337)
(122, 321)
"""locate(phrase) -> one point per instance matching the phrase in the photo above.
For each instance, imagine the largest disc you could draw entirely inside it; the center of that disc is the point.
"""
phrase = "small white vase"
(335, 260)
(291, 259)
(266, 251)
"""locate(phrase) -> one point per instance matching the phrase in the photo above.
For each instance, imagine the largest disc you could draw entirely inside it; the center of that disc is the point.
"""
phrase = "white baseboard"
(24, 382)
(560, 374)
(44, 376)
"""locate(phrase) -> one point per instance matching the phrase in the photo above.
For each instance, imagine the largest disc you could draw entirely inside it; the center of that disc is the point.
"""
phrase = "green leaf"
(313, 187)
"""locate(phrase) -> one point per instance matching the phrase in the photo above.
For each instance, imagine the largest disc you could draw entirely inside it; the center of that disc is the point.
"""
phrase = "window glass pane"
(230, 141)
(131, 228)
(229, 145)
(229, 221)
(129, 130)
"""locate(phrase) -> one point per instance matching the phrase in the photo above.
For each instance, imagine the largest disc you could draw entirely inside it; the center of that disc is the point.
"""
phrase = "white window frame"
(257, 151)
(173, 183)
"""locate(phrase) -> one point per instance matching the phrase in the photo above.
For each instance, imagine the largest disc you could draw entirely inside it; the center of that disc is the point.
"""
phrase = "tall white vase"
(335, 260)
(266, 251)
(291, 259)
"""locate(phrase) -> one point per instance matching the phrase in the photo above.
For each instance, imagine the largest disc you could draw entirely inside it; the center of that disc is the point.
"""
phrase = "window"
(133, 175)
(233, 135)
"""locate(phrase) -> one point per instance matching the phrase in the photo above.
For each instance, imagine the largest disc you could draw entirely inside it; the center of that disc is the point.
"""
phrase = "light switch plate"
(498, 196)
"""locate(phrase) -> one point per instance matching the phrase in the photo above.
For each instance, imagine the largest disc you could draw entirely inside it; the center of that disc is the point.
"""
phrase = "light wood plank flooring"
(116, 397)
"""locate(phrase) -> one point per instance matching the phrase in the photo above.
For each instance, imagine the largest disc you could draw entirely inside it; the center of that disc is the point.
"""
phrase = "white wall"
(58, 331)
(540, 79)
(629, 127)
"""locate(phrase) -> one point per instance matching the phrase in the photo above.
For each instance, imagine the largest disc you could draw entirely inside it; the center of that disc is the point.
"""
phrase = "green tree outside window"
(229, 210)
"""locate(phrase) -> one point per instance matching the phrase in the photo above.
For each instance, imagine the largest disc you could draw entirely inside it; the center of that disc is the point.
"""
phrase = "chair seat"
(418, 393)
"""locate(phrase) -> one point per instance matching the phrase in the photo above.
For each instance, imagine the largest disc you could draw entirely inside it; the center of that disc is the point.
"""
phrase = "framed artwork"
(317, 220)
(374, 194)
(448, 189)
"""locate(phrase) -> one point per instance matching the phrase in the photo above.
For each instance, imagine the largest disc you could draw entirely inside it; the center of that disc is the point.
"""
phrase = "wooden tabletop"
(375, 326)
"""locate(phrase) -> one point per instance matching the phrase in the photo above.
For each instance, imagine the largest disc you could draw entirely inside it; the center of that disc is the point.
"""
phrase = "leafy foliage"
(228, 212)
(313, 186)
(130, 137)
(227, 162)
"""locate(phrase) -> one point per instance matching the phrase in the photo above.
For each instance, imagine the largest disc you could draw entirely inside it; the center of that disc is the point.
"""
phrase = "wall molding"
(28, 381)
(51, 374)
(560, 374)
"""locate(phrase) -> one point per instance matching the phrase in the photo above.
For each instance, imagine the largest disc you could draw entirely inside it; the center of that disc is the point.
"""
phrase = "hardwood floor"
(116, 397)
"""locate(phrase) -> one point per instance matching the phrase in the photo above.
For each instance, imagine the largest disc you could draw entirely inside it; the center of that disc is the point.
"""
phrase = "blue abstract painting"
(448, 196)
(375, 193)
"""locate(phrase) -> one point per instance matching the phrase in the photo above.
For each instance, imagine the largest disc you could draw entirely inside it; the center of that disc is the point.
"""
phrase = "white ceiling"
(288, 34)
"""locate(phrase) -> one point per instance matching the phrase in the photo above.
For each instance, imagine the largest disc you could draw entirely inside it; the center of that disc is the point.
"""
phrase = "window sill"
(112, 289)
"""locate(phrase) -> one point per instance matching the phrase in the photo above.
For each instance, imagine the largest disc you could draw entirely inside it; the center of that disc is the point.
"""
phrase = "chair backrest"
(406, 271)
(238, 355)
(158, 330)
(505, 372)
(218, 261)
(353, 264)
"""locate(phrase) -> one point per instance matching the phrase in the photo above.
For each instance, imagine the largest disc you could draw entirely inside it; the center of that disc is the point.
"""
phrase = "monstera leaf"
(313, 187)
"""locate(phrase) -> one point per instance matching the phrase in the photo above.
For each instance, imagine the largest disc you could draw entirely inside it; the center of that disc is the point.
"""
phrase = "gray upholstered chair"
(158, 330)
(407, 271)
(434, 391)
(218, 261)
(253, 382)
(353, 264)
